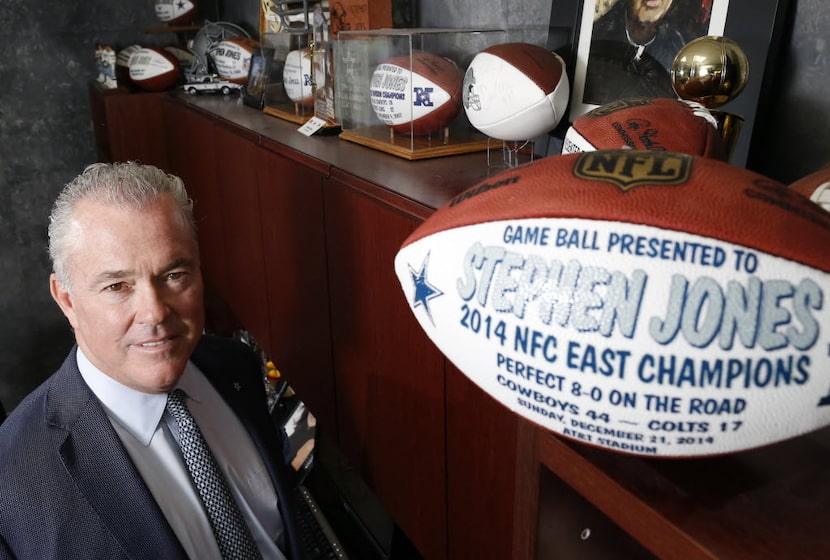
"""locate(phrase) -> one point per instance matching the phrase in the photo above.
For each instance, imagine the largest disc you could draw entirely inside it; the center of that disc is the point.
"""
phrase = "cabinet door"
(136, 128)
(99, 122)
(481, 470)
(291, 214)
(220, 168)
(237, 168)
(193, 151)
(390, 377)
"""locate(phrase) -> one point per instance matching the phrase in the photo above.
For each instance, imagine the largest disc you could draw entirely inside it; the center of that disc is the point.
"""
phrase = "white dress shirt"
(149, 436)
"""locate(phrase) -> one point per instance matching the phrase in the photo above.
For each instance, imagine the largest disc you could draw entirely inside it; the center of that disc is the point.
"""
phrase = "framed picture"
(624, 48)
(259, 76)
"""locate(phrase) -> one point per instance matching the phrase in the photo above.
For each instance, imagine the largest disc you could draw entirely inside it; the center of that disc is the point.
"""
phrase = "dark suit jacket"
(68, 489)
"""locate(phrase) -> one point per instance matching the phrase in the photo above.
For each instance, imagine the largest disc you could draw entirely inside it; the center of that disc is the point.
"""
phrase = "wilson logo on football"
(628, 169)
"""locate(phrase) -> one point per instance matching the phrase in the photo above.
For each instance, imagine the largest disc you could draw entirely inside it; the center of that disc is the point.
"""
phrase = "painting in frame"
(758, 27)
(258, 77)
(626, 47)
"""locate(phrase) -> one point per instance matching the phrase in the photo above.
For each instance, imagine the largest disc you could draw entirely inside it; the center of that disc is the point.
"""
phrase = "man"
(90, 463)
(633, 46)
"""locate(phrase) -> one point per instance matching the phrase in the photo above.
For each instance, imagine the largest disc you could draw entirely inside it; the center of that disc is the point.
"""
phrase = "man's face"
(136, 292)
(649, 11)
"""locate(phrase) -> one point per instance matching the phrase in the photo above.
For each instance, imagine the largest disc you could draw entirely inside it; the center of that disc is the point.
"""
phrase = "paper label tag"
(311, 126)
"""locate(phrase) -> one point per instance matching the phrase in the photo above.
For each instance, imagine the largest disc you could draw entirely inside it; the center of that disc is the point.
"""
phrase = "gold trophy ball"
(710, 70)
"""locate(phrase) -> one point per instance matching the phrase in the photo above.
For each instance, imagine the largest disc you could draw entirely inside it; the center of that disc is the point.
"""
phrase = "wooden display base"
(295, 114)
(290, 112)
(446, 142)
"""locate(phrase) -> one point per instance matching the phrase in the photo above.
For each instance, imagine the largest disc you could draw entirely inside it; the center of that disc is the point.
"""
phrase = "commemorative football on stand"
(516, 91)
(509, 91)
(647, 302)
(297, 77)
(407, 101)
(399, 86)
(232, 58)
(154, 69)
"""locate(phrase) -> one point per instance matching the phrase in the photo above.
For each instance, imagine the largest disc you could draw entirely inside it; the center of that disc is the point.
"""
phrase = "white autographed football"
(516, 91)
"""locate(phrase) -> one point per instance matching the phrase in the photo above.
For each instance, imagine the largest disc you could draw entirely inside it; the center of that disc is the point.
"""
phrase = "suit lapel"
(232, 370)
(94, 457)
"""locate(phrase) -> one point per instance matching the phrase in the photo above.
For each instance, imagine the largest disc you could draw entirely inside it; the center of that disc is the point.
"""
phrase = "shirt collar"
(138, 413)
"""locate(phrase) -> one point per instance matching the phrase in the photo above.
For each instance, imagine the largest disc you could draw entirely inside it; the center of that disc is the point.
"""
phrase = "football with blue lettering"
(418, 94)
(176, 12)
(297, 77)
(232, 58)
(645, 302)
(647, 123)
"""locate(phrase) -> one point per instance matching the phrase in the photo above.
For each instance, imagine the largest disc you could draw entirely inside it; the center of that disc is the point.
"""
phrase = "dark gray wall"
(46, 135)
(795, 137)
(46, 62)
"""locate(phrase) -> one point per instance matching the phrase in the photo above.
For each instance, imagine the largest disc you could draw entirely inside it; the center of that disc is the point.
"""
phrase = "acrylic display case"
(384, 99)
(289, 93)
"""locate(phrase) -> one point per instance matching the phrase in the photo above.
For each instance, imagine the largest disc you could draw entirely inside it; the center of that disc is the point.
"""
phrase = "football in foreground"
(645, 302)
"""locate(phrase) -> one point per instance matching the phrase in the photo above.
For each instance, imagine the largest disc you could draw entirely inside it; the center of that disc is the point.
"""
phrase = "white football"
(416, 94)
(123, 56)
(175, 11)
(154, 69)
(297, 77)
(516, 91)
(232, 58)
(184, 56)
(122, 63)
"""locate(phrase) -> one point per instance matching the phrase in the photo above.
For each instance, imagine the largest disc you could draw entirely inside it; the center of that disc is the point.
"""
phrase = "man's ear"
(63, 298)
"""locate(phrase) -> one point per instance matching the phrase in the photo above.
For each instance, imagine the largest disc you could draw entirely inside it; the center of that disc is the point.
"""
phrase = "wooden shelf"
(765, 503)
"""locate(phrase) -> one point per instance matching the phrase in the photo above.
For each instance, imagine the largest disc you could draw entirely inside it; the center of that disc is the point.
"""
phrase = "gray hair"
(124, 185)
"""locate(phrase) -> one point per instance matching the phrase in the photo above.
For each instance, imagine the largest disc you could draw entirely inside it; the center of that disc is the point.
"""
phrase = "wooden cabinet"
(298, 237)
(767, 503)
(237, 169)
(260, 220)
(481, 470)
(389, 377)
(296, 287)
(129, 126)
(193, 151)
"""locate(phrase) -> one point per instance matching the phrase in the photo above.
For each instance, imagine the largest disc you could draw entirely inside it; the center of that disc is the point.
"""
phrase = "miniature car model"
(210, 84)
